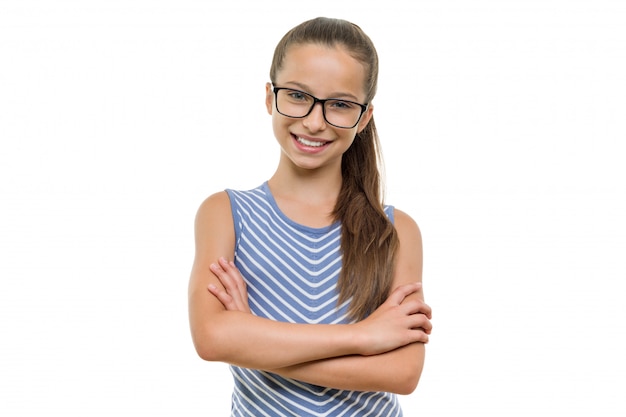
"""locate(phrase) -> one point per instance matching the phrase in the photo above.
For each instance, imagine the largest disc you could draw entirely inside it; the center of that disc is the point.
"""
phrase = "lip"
(309, 149)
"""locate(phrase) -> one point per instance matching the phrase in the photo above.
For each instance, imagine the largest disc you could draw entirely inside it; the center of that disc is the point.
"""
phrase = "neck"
(311, 189)
(309, 186)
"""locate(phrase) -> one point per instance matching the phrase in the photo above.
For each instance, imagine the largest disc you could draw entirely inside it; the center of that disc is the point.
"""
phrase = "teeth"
(310, 143)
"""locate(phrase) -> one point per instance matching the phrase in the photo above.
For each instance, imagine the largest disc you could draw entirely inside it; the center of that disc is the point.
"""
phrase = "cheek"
(278, 124)
(355, 131)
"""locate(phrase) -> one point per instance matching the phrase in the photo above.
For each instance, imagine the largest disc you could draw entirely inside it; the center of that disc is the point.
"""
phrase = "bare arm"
(390, 372)
(222, 335)
(397, 371)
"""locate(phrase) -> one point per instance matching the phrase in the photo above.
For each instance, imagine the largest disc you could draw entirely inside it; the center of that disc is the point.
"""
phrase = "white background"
(503, 128)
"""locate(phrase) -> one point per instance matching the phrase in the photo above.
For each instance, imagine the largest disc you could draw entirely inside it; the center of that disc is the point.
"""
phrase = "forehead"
(323, 70)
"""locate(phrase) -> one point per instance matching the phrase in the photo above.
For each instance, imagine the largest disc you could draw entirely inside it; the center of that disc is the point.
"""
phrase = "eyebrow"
(305, 88)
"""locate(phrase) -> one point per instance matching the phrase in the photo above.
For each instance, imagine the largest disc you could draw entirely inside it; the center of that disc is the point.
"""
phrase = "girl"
(308, 286)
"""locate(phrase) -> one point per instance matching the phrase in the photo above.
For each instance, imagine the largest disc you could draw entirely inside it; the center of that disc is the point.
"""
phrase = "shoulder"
(214, 217)
(409, 256)
(406, 227)
(215, 204)
(213, 230)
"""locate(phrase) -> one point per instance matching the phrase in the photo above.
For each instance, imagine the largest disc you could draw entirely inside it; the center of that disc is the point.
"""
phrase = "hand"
(397, 322)
(234, 296)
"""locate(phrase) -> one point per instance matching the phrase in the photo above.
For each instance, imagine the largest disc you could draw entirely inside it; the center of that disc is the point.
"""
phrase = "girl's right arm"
(250, 341)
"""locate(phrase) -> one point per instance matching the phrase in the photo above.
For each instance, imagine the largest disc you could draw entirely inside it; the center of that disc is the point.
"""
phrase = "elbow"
(407, 377)
(405, 383)
(406, 386)
(206, 347)
(206, 353)
(210, 337)
(215, 340)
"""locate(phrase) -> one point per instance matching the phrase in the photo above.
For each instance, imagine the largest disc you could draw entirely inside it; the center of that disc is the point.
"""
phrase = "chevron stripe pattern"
(291, 271)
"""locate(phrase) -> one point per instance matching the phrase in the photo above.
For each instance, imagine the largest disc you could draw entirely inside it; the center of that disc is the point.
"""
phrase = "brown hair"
(368, 239)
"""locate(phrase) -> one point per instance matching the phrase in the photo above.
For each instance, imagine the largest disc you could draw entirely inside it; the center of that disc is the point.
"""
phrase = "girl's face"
(310, 142)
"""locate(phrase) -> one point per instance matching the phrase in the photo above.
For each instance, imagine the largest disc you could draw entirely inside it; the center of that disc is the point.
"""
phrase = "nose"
(315, 121)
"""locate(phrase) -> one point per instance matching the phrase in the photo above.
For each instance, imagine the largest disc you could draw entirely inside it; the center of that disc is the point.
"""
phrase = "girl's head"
(368, 241)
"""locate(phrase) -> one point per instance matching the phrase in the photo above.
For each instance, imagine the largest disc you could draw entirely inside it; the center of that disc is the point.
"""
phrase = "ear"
(269, 98)
(365, 119)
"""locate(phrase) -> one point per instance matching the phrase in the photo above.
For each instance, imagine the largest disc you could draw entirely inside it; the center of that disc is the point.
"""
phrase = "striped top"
(291, 271)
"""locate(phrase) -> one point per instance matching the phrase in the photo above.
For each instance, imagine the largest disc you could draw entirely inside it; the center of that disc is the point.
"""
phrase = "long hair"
(369, 241)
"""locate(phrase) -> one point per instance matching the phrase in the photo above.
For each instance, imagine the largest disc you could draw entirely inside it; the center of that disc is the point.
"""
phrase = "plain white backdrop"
(503, 129)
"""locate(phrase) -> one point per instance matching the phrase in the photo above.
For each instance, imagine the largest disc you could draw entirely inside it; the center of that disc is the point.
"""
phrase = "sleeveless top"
(291, 273)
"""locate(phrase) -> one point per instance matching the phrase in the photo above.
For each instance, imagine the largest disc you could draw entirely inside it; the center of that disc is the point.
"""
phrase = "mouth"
(312, 143)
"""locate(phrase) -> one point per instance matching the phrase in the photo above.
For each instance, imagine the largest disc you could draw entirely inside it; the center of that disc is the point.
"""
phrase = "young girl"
(308, 286)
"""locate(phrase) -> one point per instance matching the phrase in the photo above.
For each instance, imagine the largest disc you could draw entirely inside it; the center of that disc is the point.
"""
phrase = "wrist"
(356, 339)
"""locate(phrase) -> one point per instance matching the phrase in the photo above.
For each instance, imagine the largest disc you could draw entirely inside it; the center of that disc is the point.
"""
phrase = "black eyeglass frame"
(322, 102)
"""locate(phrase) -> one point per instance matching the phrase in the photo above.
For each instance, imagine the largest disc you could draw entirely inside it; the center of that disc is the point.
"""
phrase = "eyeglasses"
(337, 112)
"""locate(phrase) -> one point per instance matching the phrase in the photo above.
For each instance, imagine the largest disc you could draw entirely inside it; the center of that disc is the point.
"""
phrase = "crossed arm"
(384, 352)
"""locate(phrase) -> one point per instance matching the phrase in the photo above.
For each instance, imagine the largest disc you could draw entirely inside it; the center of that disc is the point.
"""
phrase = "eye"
(296, 95)
(341, 105)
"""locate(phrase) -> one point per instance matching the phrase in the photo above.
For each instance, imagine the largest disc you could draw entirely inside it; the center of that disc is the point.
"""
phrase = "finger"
(225, 278)
(399, 294)
(219, 272)
(235, 279)
(231, 269)
(223, 297)
(417, 307)
(234, 274)
(420, 336)
(236, 285)
(420, 322)
(229, 296)
(241, 284)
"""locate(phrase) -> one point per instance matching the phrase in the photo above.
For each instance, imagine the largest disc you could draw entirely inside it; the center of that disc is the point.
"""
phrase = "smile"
(312, 143)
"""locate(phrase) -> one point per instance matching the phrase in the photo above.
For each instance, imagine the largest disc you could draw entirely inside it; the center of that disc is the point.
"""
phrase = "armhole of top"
(234, 213)
(390, 211)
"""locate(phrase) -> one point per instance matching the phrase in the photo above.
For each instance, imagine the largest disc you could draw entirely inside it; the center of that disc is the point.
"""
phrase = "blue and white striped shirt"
(291, 271)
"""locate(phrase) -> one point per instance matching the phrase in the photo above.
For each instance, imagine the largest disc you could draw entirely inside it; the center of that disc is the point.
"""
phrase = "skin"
(384, 352)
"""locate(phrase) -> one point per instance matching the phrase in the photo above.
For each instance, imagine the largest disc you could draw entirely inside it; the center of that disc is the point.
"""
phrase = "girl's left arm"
(397, 371)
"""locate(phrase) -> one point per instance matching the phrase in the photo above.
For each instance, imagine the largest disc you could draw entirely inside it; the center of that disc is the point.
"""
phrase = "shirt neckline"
(316, 230)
